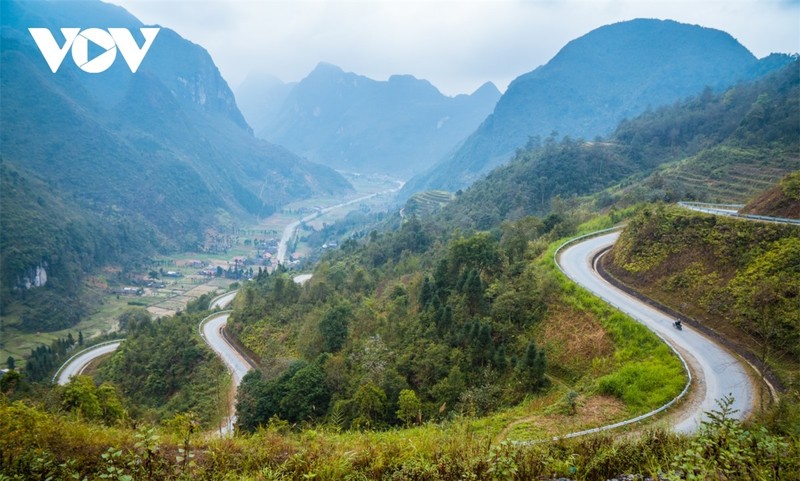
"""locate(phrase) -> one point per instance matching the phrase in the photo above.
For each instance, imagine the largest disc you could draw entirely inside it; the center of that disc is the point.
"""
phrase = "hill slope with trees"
(596, 81)
(713, 147)
(417, 324)
(739, 277)
(145, 160)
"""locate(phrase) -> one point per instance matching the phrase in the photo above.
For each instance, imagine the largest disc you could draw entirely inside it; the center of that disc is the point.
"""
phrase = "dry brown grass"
(592, 411)
(572, 339)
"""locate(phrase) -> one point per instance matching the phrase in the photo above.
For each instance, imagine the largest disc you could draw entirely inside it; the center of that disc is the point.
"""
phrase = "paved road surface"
(302, 278)
(77, 364)
(211, 331)
(289, 230)
(223, 300)
(718, 372)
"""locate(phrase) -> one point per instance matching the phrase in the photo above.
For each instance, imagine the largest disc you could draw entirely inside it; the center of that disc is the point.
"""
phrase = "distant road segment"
(223, 300)
(732, 210)
(289, 230)
(77, 363)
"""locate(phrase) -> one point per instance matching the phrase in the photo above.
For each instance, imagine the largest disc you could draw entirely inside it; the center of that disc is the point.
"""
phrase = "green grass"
(645, 373)
(43, 445)
(18, 343)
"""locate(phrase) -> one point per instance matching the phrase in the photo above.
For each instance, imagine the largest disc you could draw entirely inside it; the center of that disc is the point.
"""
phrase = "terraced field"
(426, 203)
(733, 182)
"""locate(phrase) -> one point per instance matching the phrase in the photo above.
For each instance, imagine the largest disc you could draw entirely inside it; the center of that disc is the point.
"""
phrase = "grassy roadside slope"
(740, 278)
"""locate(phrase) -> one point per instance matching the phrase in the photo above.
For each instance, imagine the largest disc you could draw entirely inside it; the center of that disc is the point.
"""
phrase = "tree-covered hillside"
(610, 74)
(441, 342)
(121, 161)
(724, 139)
(419, 324)
(739, 277)
(50, 241)
(164, 368)
(381, 347)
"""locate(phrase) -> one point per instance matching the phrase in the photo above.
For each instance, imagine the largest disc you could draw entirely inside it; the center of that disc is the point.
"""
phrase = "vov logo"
(78, 40)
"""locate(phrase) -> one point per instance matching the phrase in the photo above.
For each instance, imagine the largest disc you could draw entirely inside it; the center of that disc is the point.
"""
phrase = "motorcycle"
(677, 325)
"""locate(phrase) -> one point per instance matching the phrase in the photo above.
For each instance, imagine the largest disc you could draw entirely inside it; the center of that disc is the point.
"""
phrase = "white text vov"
(78, 40)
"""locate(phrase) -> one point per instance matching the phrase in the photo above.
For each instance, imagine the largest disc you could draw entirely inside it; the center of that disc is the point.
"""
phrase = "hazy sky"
(457, 46)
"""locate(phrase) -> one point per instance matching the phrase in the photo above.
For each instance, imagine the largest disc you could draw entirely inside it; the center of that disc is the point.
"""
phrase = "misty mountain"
(260, 97)
(156, 157)
(611, 73)
(714, 147)
(353, 123)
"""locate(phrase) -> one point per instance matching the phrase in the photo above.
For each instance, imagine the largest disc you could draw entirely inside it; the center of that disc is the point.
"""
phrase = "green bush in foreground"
(39, 445)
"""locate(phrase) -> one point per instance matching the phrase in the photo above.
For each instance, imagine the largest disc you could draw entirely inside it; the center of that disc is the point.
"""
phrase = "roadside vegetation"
(43, 445)
(738, 278)
(164, 368)
(782, 200)
(355, 427)
(447, 345)
(402, 329)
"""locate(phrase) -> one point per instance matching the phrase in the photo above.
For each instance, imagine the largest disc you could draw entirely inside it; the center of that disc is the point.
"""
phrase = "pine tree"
(444, 319)
(473, 290)
(483, 345)
(531, 369)
(500, 361)
(426, 293)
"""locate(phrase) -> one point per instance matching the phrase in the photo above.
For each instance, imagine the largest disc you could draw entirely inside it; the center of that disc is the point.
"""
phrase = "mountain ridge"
(157, 155)
(354, 123)
(595, 81)
(678, 152)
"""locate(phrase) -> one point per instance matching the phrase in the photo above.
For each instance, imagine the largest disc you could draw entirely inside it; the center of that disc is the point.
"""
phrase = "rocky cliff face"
(33, 277)
(190, 73)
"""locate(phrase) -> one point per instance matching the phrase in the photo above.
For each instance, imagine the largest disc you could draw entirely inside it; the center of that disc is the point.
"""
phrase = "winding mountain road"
(289, 230)
(715, 371)
(78, 363)
(211, 330)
